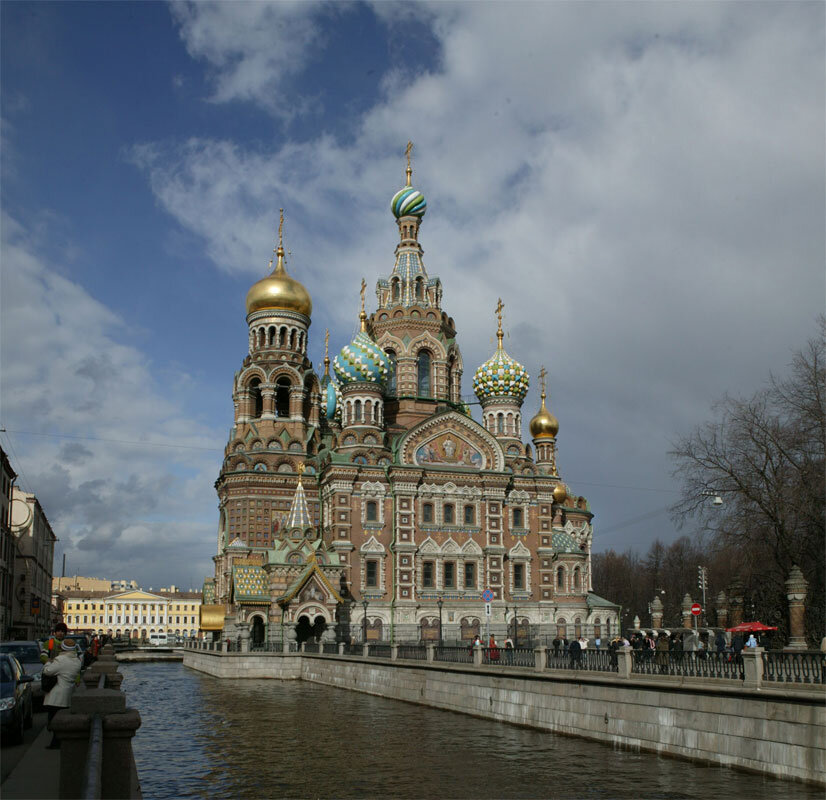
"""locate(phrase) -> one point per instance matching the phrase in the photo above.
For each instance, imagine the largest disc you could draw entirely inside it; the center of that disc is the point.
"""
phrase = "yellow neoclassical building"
(135, 614)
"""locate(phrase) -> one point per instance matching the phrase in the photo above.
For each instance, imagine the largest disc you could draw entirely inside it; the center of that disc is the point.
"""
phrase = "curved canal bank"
(208, 737)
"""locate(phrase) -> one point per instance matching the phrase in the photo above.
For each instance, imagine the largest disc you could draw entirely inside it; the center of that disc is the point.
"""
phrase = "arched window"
(560, 577)
(357, 411)
(518, 518)
(368, 411)
(292, 339)
(271, 335)
(451, 379)
(424, 373)
(419, 289)
(500, 423)
(576, 578)
(396, 290)
(256, 400)
(391, 381)
(427, 512)
(371, 512)
(282, 337)
(282, 397)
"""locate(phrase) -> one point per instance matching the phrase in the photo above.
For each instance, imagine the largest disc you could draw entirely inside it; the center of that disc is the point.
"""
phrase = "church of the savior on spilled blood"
(369, 502)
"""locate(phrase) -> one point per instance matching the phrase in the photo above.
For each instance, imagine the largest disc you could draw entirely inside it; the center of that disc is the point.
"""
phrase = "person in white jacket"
(66, 667)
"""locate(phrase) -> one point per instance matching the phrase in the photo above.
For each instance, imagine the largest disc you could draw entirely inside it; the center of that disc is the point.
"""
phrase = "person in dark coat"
(720, 642)
(575, 651)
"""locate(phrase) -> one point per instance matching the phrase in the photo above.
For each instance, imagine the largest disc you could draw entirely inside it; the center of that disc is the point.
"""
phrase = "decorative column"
(735, 593)
(656, 613)
(722, 610)
(796, 586)
(685, 611)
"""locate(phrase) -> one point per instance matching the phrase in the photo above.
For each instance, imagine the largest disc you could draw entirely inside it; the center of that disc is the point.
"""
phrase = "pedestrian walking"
(66, 668)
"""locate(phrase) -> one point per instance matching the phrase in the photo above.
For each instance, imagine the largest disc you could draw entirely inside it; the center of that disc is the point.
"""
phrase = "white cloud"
(252, 47)
(643, 184)
(67, 371)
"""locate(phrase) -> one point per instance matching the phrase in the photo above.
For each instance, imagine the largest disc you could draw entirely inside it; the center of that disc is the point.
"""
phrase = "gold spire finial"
(327, 353)
(408, 151)
(362, 313)
(542, 374)
(279, 250)
(499, 306)
(301, 467)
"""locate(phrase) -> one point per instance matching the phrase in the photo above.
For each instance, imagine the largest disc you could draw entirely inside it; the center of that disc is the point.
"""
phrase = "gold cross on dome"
(281, 227)
(327, 343)
(542, 373)
(408, 151)
(499, 306)
(363, 290)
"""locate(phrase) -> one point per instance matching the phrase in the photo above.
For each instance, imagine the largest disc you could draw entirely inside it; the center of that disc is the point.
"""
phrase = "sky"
(642, 184)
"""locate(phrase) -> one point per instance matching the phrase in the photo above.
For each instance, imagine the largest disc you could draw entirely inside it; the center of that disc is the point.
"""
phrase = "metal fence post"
(431, 651)
(365, 650)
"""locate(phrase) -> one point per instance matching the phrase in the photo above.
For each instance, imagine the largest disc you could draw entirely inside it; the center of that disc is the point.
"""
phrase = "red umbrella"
(750, 627)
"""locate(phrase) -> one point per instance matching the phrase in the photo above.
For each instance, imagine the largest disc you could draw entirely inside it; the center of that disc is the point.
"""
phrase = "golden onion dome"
(560, 493)
(544, 425)
(279, 291)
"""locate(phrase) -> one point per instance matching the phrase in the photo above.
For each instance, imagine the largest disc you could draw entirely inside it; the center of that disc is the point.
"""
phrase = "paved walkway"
(37, 773)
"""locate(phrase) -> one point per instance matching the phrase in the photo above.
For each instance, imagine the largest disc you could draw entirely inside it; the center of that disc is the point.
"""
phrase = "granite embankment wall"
(780, 732)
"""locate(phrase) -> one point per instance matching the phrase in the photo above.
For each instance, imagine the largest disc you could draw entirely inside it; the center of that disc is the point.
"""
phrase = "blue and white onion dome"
(408, 202)
(362, 361)
(501, 376)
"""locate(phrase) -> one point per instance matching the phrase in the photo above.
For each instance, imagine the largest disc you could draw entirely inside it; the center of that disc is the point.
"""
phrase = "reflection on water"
(205, 737)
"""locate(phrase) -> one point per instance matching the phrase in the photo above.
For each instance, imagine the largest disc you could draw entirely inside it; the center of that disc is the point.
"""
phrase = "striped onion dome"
(408, 202)
(501, 376)
(362, 361)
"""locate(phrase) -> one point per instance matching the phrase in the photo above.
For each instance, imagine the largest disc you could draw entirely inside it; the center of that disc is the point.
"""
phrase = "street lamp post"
(440, 602)
(364, 622)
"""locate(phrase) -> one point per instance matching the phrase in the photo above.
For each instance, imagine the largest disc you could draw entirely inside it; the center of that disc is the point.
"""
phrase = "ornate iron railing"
(700, 664)
(329, 647)
(458, 655)
(509, 656)
(804, 666)
(590, 660)
(412, 652)
(312, 647)
(380, 650)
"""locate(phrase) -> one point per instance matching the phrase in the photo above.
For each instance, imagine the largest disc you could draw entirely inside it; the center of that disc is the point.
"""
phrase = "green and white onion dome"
(501, 376)
(408, 202)
(362, 361)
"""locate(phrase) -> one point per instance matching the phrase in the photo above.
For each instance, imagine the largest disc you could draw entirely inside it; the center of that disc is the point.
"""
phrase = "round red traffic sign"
(696, 609)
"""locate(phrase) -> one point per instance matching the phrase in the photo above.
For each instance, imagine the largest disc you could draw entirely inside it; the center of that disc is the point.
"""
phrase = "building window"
(560, 577)
(576, 578)
(470, 515)
(427, 574)
(450, 575)
(449, 514)
(470, 575)
(256, 399)
(424, 374)
(282, 397)
(391, 356)
(372, 576)
(518, 576)
(427, 512)
(372, 511)
(518, 518)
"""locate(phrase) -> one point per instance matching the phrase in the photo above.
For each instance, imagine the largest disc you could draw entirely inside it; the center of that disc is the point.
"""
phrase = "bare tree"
(765, 457)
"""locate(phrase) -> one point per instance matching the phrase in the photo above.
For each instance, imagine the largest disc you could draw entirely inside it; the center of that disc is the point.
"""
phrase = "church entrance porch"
(258, 631)
(307, 631)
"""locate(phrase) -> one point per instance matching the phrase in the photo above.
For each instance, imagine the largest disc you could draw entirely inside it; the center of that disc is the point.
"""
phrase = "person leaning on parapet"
(53, 644)
(66, 668)
(575, 651)
(720, 642)
(662, 652)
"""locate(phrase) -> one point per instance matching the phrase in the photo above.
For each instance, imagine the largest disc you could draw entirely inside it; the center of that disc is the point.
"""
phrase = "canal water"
(209, 738)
